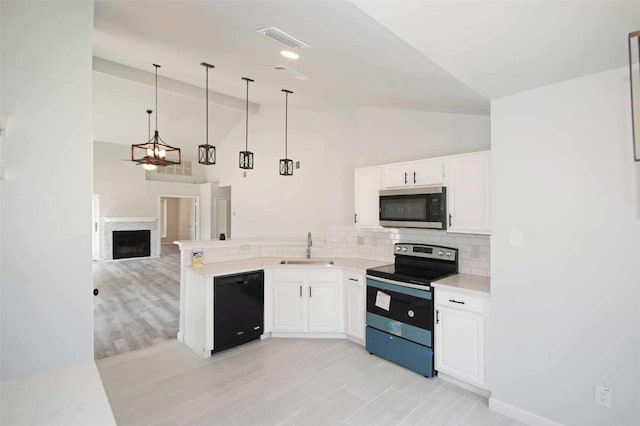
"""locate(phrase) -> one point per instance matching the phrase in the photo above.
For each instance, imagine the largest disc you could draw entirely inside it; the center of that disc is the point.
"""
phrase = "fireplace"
(128, 244)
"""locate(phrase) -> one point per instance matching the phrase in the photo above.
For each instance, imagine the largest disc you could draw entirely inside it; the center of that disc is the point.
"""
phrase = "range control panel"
(424, 250)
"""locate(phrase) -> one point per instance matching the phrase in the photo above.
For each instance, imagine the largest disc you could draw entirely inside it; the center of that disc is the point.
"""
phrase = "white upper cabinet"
(468, 193)
(416, 173)
(366, 188)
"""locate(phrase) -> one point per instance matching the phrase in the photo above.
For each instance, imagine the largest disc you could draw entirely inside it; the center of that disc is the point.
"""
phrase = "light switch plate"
(603, 396)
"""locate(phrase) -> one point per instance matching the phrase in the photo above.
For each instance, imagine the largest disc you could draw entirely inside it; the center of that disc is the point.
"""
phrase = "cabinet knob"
(95, 291)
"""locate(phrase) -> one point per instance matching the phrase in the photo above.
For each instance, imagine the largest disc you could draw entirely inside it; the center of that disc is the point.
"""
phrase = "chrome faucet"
(309, 244)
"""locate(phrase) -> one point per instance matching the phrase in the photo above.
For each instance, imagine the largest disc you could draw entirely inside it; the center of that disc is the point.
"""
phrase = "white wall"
(565, 304)
(122, 186)
(393, 135)
(265, 204)
(120, 115)
(46, 280)
(329, 145)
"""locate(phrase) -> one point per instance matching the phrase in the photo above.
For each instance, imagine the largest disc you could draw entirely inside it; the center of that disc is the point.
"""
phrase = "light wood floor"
(282, 381)
(138, 304)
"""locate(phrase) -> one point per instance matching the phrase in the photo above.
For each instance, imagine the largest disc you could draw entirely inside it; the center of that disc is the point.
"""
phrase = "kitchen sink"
(306, 262)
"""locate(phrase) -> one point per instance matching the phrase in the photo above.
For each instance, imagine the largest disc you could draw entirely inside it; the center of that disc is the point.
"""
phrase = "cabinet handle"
(353, 279)
(355, 218)
(456, 301)
(95, 226)
(309, 291)
(414, 177)
(405, 178)
(437, 316)
(449, 220)
(300, 291)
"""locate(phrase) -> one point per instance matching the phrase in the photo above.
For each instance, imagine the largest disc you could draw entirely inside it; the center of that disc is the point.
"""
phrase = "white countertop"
(238, 266)
(471, 283)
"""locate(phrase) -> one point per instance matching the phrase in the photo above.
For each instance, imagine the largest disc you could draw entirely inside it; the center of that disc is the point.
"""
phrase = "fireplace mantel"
(130, 219)
(129, 224)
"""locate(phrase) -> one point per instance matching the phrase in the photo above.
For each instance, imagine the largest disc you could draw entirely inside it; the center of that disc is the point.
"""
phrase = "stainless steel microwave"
(414, 207)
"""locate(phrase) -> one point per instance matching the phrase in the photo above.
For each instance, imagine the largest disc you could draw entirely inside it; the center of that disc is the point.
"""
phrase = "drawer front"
(324, 276)
(354, 279)
(460, 301)
(295, 275)
(400, 351)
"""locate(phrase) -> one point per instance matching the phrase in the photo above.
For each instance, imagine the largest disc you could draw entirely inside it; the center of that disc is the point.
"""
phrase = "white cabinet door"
(366, 188)
(428, 172)
(288, 306)
(418, 173)
(469, 193)
(397, 176)
(355, 306)
(459, 344)
(325, 308)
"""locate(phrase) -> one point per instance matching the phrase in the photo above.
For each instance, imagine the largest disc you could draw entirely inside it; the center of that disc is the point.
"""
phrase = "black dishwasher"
(238, 309)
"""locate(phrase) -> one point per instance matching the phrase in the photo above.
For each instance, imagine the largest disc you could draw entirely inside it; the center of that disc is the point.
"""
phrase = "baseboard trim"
(519, 414)
(464, 385)
(307, 335)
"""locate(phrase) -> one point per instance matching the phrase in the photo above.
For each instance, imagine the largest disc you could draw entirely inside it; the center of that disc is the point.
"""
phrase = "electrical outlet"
(475, 252)
(603, 396)
(360, 240)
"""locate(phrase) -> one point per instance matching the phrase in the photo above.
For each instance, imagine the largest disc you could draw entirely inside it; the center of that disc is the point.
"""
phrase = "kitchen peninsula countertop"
(239, 266)
(470, 283)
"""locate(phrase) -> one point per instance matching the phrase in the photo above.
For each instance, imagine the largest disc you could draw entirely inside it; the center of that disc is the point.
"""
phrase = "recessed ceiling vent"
(292, 73)
(282, 37)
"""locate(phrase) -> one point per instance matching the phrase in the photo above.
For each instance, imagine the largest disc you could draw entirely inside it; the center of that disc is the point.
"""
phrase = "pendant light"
(155, 151)
(246, 157)
(206, 152)
(286, 165)
(149, 167)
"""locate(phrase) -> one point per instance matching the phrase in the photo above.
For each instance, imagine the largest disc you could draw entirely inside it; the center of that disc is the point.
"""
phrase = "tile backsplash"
(347, 241)
(377, 244)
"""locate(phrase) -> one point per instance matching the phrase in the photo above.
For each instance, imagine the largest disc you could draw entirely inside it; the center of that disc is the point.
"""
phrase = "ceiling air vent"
(282, 37)
(292, 73)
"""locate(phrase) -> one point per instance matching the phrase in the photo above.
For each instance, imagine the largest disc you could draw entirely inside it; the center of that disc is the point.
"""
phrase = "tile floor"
(282, 382)
(138, 304)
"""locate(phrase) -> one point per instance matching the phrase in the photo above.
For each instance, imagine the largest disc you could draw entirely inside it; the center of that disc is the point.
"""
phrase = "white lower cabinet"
(288, 309)
(307, 300)
(355, 305)
(460, 335)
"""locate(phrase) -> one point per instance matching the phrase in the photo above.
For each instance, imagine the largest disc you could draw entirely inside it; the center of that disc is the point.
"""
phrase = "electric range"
(400, 304)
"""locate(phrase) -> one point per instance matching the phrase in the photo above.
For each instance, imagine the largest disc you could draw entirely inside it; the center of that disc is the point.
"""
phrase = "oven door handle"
(400, 283)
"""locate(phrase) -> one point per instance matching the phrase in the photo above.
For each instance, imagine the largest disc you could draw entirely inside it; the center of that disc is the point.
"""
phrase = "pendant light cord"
(286, 120)
(246, 130)
(149, 124)
(157, 66)
(207, 107)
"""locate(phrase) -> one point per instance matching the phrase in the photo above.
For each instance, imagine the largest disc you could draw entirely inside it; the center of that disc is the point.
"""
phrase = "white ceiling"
(352, 58)
(500, 48)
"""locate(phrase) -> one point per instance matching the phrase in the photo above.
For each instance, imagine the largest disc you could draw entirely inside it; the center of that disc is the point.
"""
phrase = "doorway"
(222, 223)
(178, 219)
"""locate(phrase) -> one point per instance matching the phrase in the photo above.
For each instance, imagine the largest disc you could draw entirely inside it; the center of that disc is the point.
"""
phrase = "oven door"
(414, 208)
(402, 311)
